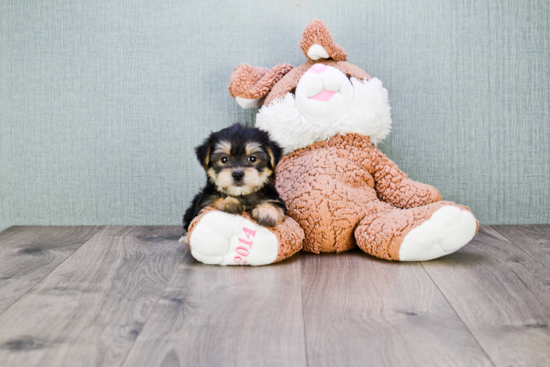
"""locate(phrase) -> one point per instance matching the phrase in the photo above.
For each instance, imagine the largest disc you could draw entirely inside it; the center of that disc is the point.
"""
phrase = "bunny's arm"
(394, 187)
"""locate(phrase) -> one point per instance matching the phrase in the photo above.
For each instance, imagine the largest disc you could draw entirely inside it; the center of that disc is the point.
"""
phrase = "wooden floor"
(134, 296)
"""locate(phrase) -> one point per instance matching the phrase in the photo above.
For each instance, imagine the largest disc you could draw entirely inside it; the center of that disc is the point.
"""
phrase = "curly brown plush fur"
(359, 197)
(338, 186)
(251, 82)
(317, 32)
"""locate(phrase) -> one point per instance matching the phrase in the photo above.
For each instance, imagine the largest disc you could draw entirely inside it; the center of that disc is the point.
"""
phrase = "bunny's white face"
(326, 104)
(324, 94)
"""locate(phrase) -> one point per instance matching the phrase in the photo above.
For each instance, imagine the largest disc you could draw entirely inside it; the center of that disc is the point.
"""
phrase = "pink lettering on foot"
(242, 250)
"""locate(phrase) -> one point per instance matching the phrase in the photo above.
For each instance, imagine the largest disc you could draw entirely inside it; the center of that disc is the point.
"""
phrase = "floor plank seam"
(47, 275)
(303, 314)
(513, 242)
(155, 306)
(458, 315)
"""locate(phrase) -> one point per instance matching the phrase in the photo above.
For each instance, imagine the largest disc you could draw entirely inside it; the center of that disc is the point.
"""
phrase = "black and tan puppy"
(240, 168)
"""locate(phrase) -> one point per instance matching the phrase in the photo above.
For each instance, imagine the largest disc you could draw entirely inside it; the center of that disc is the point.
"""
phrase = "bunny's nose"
(238, 175)
(318, 68)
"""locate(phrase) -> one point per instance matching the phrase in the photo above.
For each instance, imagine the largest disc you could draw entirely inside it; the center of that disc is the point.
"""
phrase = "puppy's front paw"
(229, 205)
(268, 215)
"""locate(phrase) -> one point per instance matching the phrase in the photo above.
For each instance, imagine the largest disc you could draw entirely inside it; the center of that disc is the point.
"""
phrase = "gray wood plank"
(28, 254)
(90, 309)
(533, 239)
(226, 316)
(502, 294)
(361, 311)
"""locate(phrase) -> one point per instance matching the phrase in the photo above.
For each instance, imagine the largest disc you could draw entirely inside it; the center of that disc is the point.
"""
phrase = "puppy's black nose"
(238, 175)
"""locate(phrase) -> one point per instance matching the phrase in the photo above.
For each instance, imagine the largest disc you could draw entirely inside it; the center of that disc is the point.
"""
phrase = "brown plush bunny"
(339, 188)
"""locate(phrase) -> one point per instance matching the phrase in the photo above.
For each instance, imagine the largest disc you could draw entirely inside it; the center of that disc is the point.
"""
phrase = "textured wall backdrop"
(103, 101)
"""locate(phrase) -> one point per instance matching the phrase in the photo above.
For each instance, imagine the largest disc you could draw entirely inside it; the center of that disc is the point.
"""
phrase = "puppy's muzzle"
(237, 175)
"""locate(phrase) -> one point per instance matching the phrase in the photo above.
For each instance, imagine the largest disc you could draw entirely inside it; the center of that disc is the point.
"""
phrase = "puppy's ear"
(275, 153)
(203, 152)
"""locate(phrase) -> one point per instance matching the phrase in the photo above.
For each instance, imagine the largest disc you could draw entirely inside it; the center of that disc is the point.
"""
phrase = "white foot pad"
(448, 229)
(227, 239)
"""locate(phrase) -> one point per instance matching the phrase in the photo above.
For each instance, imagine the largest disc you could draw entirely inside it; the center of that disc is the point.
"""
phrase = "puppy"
(240, 166)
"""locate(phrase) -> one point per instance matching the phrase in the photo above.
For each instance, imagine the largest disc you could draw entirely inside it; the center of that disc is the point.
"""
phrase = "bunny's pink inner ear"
(317, 43)
(249, 83)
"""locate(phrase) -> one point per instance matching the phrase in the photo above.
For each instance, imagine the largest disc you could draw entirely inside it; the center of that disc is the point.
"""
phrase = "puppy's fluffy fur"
(240, 166)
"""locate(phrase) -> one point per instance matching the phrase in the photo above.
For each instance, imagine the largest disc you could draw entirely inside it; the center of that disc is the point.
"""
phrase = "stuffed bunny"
(339, 189)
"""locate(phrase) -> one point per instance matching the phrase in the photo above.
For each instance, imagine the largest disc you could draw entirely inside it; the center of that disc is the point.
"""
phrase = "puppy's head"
(239, 160)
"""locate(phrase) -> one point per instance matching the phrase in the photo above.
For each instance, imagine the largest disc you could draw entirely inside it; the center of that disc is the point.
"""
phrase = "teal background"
(101, 102)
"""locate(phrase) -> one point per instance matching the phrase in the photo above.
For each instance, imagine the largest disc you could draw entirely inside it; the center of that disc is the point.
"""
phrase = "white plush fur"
(215, 240)
(316, 52)
(324, 113)
(447, 230)
(368, 114)
(249, 103)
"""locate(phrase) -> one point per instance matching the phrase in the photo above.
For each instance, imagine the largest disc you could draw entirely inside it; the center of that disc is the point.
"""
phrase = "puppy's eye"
(224, 159)
(252, 159)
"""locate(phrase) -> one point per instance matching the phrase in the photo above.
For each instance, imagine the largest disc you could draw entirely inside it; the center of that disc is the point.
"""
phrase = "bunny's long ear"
(317, 43)
(249, 84)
